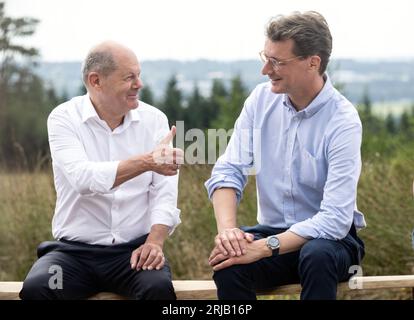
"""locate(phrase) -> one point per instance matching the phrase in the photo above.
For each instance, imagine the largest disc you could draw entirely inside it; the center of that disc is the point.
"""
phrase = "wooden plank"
(206, 289)
(184, 289)
(360, 283)
(9, 290)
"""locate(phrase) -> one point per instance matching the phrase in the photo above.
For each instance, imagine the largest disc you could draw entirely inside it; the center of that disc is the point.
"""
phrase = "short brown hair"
(309, 31)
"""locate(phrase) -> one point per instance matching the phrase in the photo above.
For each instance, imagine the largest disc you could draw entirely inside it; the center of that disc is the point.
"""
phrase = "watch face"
(273, 242)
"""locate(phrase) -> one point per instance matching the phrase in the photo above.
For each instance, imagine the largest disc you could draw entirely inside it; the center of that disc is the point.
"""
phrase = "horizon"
(332, 59)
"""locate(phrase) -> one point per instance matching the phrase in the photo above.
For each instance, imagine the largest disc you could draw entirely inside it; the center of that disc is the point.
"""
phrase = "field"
(384, 195)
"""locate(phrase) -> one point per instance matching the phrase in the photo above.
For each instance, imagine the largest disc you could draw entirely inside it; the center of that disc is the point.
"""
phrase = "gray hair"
(309, 32)
(98, 61)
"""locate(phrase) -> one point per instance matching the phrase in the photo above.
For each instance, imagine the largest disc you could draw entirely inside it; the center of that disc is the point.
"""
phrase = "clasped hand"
(234, 246)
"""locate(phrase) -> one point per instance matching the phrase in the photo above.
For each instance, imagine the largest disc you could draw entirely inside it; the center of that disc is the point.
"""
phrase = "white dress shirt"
(86, 153)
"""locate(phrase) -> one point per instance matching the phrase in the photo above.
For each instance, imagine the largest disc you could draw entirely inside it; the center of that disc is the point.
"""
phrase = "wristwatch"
(273, 244)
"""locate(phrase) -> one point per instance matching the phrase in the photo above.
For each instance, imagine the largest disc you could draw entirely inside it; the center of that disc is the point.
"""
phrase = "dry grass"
(27, 204)
(26, 208)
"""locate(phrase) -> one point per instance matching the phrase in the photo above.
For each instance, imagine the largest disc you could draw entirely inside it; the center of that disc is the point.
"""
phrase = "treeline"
(387, 137)
(218, 110)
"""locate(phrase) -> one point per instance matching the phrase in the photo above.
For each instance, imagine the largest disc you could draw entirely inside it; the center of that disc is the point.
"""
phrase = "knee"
(35, 289)
(156, 288)
(228, 275)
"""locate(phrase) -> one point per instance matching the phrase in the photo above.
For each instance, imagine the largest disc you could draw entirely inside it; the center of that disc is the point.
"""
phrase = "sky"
(211, 29)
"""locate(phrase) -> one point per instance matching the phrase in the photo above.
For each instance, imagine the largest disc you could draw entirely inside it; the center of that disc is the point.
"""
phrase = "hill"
(384, 81)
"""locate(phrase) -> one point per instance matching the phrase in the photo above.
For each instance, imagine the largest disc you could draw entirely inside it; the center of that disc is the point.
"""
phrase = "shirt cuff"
(223, 181)
(170, 218)
(307, 229)
(104, 175)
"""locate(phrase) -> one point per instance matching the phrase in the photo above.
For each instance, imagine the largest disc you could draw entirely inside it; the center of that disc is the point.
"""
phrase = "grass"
(384, 195)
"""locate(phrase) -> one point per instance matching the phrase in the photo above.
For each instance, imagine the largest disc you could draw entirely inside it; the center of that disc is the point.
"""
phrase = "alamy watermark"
(205, 147)
(355, 282)
(56, 280)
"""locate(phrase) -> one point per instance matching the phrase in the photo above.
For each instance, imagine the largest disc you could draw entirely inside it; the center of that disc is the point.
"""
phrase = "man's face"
(291, 73)
(120, 88)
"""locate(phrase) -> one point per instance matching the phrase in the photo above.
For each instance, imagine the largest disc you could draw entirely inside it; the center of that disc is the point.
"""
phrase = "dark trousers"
(318, 266)
(74, 270)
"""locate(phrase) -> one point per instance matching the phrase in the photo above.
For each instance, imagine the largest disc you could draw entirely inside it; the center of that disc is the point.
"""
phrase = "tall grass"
(384, 195)
(26, 209)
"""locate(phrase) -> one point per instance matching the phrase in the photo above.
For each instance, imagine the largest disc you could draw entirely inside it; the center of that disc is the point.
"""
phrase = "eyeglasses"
(276, 64)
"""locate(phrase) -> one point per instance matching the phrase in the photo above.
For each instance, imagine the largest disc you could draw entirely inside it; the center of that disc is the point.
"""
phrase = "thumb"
(169, 137)
(249, 237)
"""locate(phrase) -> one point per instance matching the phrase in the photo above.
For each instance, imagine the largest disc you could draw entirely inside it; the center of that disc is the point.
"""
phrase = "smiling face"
(119, 90)
(290, 76)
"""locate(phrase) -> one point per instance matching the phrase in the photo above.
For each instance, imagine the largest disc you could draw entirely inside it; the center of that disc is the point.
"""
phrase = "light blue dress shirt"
(307, 163)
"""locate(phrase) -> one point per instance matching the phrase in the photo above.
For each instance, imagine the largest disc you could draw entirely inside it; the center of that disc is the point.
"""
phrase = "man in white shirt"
(116, 182)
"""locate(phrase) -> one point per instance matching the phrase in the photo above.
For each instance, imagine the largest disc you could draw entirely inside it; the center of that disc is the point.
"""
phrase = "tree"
(145, 94)
(230, 108)
(217, 98)
(195, 115)
(371, 123)
(25, 102)
(11, 28)
(405, 124)
(390, 124)
(172, 103)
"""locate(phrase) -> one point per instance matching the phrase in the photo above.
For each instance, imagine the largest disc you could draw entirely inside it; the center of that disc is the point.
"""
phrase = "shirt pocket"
(312, 171)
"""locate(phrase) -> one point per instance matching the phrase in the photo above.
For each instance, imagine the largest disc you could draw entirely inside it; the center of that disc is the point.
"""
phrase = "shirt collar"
(89, 112)
(317, 103)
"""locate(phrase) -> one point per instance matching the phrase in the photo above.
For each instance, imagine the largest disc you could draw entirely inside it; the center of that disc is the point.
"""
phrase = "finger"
(169, 137)
(178, 156)
(241, 244)
(218, 258)
(226, 239)
(220, 246)
(156, 261)
(134, 257)
(249, 237)
(142, 258)
(225, 264)
(234, 240)
(161, 264)
(213, 253)
(151, 257)
(171, 170)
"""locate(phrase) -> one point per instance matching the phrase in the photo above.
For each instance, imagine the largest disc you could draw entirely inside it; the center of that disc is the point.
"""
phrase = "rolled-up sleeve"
(68, 153)
(163, 201)
(163, 192)
(230, 170)
(335, 216)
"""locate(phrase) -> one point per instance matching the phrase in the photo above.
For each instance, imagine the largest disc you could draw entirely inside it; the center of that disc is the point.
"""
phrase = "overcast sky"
(212, 29)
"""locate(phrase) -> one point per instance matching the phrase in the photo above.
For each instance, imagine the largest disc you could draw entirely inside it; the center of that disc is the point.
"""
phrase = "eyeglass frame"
(276, 64)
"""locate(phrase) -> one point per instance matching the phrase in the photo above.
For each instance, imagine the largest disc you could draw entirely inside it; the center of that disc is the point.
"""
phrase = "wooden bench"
(206, 289)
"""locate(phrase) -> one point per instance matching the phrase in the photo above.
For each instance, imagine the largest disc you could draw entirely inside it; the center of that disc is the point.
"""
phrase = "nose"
(138, 84)
(267, 68)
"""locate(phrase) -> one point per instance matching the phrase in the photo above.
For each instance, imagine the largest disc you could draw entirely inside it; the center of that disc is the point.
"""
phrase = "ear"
(315, 62)
(94, 80)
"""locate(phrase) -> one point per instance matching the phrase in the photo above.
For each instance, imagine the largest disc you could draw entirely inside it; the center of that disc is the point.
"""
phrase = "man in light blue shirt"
(302, 139)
